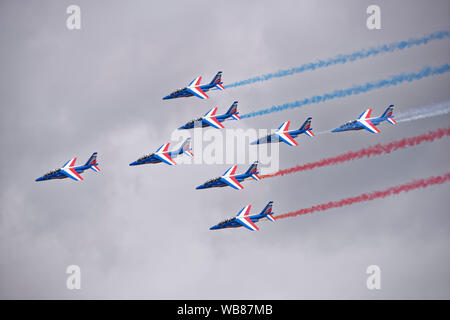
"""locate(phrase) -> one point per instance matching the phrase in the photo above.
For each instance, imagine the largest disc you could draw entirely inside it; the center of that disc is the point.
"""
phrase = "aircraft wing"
(284, 135)
(196, 91)
(368, 125)
(69, 170)
(212, 120)
(248, 223)
(286, 138)
(163, 155)
(232, 182)
(244, 219)
(364, 121)
(229, 178)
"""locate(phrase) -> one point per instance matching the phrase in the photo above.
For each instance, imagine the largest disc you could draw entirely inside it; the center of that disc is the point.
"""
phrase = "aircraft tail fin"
(186, 148)
(389, 114)
(389, 111)
(233, 111)
(267, 211)
(217, 81)
(92, 162)
(253, 171)
(306, 127)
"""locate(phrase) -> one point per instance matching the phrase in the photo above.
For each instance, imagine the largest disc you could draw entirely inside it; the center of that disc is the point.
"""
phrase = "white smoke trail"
(433, 110)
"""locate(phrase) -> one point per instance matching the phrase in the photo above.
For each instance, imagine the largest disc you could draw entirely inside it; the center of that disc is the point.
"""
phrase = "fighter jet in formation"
(163, 155)
(244, 219)
(69, 170)
(366, 122)
(196, 89)
(287, 136)
(210, 119)
(230, 178)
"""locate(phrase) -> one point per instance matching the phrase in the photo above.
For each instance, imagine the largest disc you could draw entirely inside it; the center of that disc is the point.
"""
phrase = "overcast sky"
(143, 232)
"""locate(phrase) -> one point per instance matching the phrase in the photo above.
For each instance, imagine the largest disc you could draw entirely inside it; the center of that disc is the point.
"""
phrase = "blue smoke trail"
(369, 86)
(341, 59)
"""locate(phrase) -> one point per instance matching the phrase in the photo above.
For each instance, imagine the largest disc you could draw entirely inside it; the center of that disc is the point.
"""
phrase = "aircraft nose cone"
(182, 127)
(213, 228)
(39, 179)
(135, 163)
(200, 187)
(335, 130)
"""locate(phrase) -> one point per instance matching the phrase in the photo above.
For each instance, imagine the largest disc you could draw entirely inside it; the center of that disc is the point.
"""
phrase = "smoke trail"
(341, 59)
(355, 90)
(375, 150)
(410, 186)
(429, 111)
(434, 110)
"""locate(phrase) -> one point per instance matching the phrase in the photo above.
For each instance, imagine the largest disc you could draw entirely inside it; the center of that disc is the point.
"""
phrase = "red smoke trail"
(423, 183)
(367, 152)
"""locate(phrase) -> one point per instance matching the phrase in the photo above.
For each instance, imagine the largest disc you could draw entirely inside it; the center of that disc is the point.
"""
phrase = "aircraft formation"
(229, 178)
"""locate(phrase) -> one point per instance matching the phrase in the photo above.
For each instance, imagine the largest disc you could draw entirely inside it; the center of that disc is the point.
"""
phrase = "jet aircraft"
(213, 120)
(230, 178)
(366, 122)
(163, 155)
(287, 136)
(244, 219)
(196, 89)
(69, 170)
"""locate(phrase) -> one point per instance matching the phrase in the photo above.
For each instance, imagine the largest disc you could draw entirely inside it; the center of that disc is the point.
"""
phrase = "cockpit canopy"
(212, 180)
(51, 172)
(145, 157)
(194, 121)
(177, 91)
(349, 122)
(226, 221)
